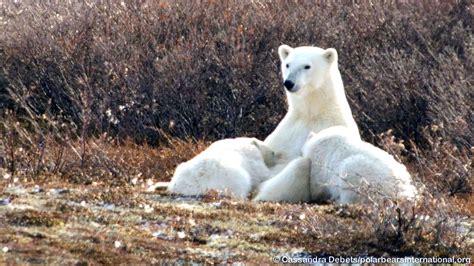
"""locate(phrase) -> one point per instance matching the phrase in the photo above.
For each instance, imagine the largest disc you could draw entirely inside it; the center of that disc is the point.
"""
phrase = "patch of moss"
(33, 218)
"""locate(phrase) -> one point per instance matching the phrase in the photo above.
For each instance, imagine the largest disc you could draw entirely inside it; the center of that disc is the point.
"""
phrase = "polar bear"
(290, 185)
(316, 98)
(346, 169)
(235, 166)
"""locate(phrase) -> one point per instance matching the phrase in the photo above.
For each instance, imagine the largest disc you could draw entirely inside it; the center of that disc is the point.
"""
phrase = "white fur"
(290, 185)
(346, 169)
(235, 166)
(318, 100)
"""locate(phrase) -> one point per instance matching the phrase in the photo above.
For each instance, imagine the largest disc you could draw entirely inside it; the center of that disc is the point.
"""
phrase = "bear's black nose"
(289, 84)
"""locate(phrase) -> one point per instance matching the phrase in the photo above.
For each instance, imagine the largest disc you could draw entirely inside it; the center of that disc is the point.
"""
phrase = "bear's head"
(306, 67)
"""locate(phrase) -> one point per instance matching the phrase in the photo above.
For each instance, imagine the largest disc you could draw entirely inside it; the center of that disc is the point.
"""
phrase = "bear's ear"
(331, 55)
(310, 135)
(283, 51)
(256, 142)
(264, 149)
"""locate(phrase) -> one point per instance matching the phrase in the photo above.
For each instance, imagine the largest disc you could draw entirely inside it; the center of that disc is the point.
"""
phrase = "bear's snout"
(289, 84)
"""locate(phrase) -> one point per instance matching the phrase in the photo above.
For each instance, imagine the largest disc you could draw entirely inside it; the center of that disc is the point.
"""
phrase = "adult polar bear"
(340, 160)
(316, 98)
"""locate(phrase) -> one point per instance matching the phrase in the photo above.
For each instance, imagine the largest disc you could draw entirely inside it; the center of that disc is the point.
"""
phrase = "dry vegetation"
(99, 100)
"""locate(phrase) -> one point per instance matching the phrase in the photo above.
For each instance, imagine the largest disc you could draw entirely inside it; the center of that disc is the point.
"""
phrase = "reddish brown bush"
(210, 69)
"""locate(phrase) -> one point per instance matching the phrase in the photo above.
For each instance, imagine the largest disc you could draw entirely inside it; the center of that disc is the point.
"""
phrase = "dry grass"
(87, 224)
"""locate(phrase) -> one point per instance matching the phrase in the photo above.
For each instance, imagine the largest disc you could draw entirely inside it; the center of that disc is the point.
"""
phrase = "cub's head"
(305, 66)
(270, 157)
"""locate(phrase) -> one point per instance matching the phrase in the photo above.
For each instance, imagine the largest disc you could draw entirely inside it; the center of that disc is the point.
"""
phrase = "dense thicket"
(209, 69)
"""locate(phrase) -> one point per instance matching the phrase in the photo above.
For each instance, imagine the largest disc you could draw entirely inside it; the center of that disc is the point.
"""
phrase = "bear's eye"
(287, 65)
(307, 67)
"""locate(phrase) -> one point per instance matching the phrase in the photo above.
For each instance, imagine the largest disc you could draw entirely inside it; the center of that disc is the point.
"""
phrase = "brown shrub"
(210, 70)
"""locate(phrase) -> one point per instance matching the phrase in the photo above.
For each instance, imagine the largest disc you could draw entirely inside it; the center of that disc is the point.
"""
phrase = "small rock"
(107, 206)
(214, 236)
(5, 249)
(255, 237)
(148, 208)
(117, 244)
(57, 191)
(216, 205)
(37, 189)
(5, 201)
(161, 235)
(181, 235)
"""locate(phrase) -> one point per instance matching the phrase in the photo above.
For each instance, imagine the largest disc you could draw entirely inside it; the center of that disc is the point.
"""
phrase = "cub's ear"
(256, 142)
(261, 146)
(310, 135)
(283, 51)
(331, 55)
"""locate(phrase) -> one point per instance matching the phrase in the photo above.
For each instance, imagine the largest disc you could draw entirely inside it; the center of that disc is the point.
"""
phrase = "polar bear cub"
(290, 185)
(234, 166)
(346, 169)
